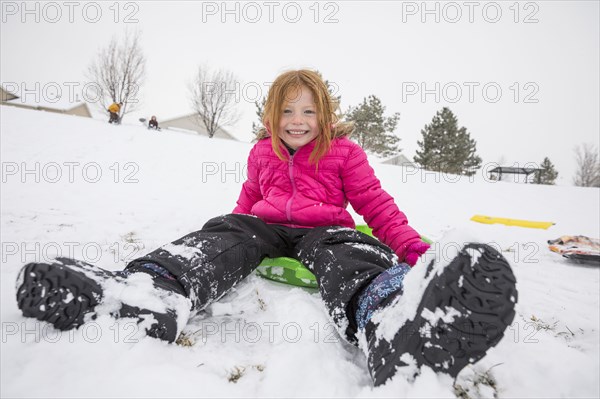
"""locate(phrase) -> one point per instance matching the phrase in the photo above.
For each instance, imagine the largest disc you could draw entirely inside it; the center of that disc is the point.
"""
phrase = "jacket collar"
(284, 148)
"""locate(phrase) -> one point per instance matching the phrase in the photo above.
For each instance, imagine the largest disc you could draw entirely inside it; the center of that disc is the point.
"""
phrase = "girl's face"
(298, 125)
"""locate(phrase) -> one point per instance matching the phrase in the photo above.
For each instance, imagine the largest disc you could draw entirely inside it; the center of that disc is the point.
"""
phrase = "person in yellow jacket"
(114, 110)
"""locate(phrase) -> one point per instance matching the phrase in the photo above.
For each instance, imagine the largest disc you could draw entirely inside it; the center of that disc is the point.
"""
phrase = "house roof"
(6, 95)
(399, 159)
(190, 122)
(39, 100)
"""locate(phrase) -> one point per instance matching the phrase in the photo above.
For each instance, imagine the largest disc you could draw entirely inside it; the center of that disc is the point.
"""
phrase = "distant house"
(192, 122)
(59, 107)
(6, 96)
(400, 160)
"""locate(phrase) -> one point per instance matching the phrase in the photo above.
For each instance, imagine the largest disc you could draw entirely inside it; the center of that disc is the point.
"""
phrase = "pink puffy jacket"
(294, 194)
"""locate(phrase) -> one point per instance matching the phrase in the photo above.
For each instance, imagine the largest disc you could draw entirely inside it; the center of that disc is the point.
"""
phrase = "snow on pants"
(209, 262)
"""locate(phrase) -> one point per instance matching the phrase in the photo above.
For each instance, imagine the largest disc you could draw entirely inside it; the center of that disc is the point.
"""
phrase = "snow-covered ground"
(79, 187)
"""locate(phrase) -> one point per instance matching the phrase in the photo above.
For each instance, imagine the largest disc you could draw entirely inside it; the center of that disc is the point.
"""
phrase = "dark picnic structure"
(511, 170)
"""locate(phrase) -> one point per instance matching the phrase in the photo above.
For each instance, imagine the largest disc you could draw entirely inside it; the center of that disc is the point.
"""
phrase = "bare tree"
(213, 98)
(588, 166)
(118, 72)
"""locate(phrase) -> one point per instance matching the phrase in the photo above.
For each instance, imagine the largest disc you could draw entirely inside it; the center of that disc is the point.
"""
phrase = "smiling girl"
(302, 174)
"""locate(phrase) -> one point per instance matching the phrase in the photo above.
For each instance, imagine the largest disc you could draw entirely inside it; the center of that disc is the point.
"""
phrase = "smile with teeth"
(296, 132)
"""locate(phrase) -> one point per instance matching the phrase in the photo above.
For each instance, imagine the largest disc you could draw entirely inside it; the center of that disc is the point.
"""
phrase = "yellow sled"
(512, 222)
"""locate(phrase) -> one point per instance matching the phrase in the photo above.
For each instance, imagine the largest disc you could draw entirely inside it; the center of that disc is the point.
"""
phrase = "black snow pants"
(209, 262)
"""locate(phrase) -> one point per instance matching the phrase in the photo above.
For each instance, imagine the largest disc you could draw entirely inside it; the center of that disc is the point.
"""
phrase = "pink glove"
(414, 251)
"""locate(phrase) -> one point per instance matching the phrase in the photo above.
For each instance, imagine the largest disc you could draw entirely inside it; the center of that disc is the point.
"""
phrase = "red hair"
(285, 88)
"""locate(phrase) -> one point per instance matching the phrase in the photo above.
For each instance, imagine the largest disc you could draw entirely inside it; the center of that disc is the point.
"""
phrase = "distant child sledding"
(114, 109)
(153, 123)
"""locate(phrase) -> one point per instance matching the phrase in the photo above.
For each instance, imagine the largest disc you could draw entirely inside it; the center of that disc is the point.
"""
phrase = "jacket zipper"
(288, 206)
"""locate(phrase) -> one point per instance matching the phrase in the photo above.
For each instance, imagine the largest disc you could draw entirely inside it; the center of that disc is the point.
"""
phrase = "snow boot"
(68, 292)
(463, 311)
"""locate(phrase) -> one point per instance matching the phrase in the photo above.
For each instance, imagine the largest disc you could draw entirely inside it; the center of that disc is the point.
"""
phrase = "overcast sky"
(523, 78)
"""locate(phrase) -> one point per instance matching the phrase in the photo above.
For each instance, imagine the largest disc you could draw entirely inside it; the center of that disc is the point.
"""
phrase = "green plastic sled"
(291, 271)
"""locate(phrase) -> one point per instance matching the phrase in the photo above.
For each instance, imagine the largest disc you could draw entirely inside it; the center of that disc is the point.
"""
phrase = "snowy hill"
(106, 194)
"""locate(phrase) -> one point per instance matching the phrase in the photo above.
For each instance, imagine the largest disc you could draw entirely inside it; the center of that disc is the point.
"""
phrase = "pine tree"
(447, 148)
(260, 108)
(373, 131)
(547, 173)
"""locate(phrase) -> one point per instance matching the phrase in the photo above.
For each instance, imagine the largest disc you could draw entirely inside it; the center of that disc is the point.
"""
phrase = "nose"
(297, 119)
